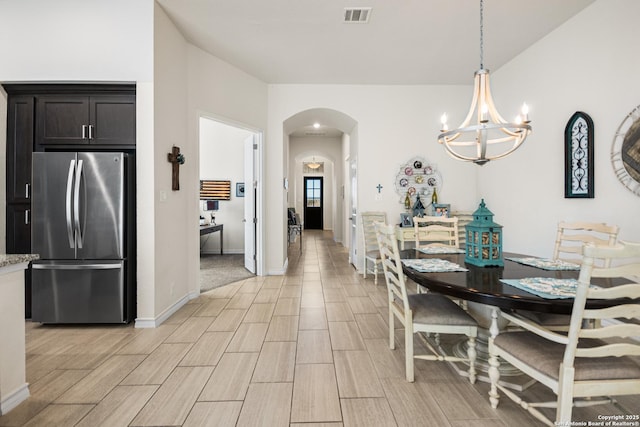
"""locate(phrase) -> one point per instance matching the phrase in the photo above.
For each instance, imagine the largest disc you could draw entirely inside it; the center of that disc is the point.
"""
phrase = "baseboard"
(142, 323)
(226, 252)
(14, 399)
(280, 272)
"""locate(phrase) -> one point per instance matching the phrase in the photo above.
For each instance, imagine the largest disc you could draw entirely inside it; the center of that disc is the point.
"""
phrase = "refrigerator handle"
(69, 195)
(76, 205)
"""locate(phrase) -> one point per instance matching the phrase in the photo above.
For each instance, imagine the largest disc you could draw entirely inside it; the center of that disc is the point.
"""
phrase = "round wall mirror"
(625, 152)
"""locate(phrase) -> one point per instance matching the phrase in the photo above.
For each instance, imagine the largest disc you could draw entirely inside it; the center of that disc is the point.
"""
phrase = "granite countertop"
(12, 259)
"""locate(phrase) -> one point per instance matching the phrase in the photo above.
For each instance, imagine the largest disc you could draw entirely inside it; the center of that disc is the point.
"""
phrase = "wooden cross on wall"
(176, 159)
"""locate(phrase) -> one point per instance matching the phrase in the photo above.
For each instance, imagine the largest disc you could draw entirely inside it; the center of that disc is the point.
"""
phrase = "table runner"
(547, 287)
(438, 249)
(432, 265)
(546, 264)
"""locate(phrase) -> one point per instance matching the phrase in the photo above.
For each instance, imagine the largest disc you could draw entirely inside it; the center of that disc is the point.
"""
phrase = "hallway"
(308, 347)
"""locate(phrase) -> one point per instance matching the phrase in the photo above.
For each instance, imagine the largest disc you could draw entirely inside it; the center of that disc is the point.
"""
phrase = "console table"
(212, 228)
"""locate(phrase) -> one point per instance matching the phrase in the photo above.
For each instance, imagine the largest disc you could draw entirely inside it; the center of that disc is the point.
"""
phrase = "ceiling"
(405, 42)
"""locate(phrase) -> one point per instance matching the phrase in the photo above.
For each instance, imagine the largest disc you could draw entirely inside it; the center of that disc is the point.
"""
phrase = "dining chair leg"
(494, 376)
(408, 350)
(392, 326)
(565, 396)
(375, 273)
(471, 354)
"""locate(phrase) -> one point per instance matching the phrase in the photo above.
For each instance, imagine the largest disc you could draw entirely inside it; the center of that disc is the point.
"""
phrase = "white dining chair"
(430, 313)
(570, 238)
(591, 360)
(371, 252)
(436, 230)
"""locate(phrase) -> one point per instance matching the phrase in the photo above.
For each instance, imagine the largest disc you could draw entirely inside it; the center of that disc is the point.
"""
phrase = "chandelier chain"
(482, 34)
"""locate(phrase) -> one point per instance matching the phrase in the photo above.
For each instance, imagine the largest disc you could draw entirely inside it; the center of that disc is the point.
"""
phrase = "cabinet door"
(113, 119)
(62, 119)
(18, 228)
(20, 120)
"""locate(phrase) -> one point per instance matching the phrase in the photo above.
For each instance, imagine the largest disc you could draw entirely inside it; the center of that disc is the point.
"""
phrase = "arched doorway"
(326, 136)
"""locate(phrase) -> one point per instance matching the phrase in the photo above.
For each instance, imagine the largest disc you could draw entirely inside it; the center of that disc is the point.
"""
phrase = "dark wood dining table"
(483, 285)
(487, 296)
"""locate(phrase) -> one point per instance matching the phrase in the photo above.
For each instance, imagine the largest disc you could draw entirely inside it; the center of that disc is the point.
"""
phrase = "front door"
(313, 203)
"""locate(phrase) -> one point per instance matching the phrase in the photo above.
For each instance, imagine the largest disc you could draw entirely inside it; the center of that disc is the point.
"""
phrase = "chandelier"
(489, 136)
(313, 164)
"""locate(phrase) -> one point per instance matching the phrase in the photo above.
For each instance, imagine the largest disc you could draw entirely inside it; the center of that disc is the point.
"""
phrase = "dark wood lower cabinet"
(19, 242)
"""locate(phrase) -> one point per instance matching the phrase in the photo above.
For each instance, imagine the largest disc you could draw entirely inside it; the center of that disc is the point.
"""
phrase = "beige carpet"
(219, 270)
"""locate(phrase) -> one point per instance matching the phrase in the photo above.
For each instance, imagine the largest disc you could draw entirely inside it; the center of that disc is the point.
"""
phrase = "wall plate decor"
(625, 151)
(578, 157)
(417, 178)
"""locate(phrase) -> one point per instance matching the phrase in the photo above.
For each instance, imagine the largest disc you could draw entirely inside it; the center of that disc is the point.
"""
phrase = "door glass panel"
(313, 193)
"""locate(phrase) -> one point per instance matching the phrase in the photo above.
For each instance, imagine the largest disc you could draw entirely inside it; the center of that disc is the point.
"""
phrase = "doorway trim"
(259, 178)
(305, 201)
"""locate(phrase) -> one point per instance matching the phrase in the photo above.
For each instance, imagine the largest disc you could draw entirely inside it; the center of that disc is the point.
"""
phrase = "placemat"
(547, 287)
(546, 264)
(440, 249)
(432, 265)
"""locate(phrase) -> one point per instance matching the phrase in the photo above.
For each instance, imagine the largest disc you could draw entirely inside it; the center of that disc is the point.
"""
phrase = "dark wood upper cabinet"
(113, 119)
(96, 120)
(62, 119)
(20, 121)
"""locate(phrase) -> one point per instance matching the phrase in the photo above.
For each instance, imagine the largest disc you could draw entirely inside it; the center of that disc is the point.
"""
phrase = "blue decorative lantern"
(484, 239)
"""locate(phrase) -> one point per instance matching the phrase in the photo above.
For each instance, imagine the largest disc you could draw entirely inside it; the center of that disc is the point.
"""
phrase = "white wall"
(172, 215)
(76, 40)
(222, 158)
(589, 64)
(225, 93)
(80, 41)
(395, 123)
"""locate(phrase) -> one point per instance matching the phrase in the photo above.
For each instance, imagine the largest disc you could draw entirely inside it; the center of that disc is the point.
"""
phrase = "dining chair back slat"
(571, 236)
(436, 230)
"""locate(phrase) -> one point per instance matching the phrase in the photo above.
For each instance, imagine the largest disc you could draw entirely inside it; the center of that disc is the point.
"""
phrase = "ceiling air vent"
(357, 15)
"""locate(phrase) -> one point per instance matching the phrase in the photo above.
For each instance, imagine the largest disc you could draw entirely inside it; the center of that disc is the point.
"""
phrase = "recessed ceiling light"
(316, 125)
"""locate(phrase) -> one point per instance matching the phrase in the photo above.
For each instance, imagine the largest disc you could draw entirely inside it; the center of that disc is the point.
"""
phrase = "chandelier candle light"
(491, 135)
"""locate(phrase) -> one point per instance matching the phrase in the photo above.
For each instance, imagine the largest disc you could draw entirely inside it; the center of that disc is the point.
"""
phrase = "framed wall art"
(578, 157)
(441, 209)
(215, 190)
(239, 189)
(406, 220)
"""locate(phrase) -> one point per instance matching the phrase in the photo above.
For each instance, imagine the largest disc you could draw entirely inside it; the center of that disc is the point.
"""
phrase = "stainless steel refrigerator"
(82, 223)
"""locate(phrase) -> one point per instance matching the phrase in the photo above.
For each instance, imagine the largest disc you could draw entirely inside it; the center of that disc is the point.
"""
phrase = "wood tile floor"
(305, 349)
